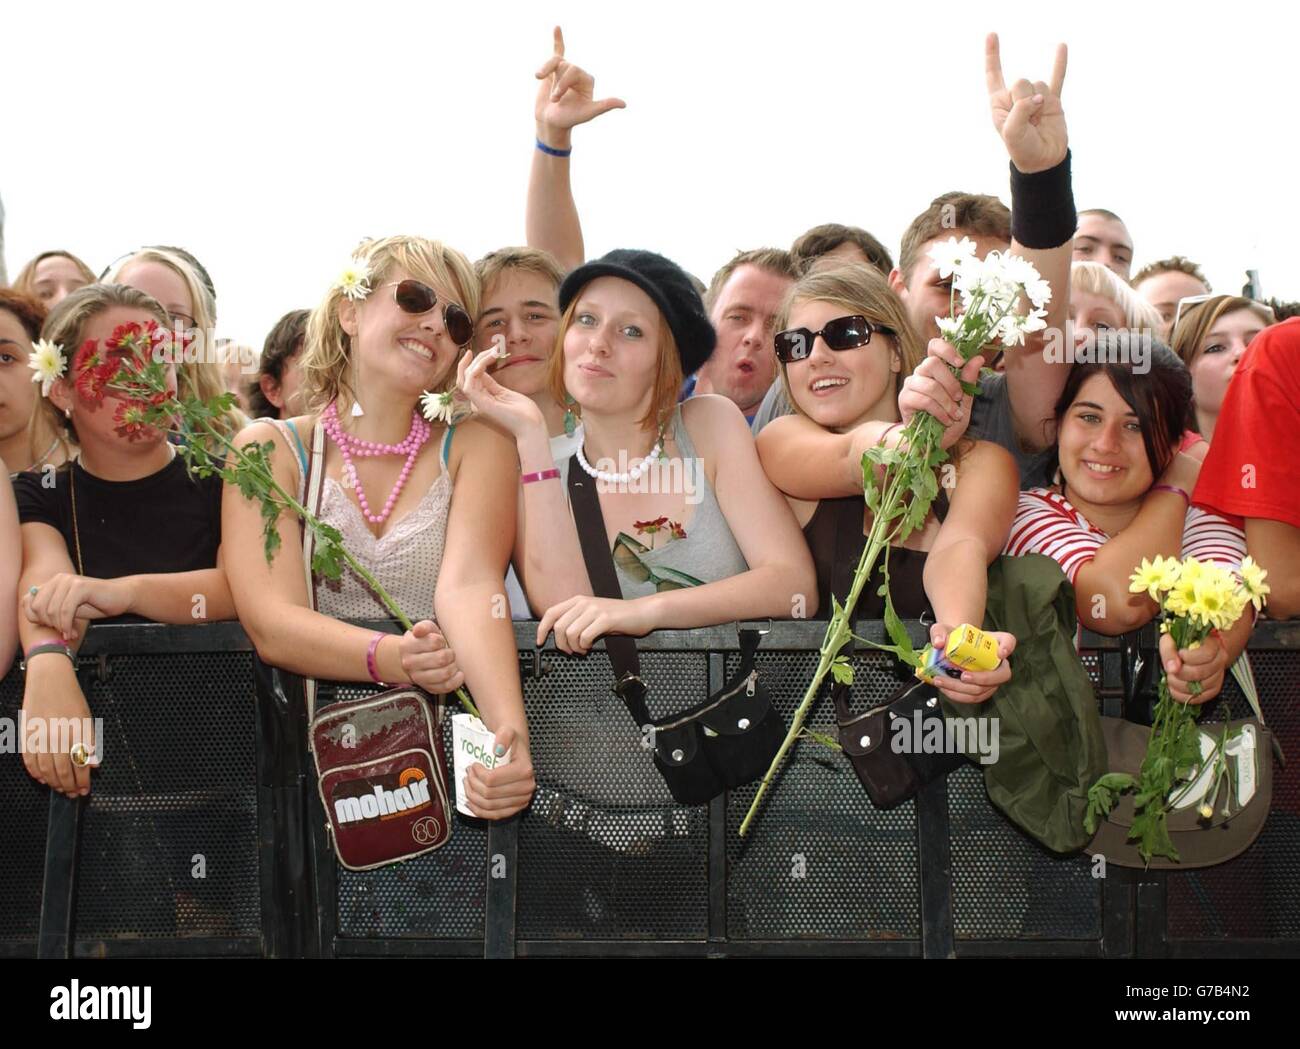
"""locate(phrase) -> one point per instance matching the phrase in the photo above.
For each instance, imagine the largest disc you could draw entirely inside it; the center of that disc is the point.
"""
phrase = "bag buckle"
(624, 683)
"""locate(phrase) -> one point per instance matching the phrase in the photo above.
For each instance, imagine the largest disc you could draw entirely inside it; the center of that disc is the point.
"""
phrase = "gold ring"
(80, 755)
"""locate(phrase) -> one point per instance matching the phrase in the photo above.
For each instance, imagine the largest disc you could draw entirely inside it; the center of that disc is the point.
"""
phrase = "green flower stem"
(837, 633)
(920, 438)
(273, 488)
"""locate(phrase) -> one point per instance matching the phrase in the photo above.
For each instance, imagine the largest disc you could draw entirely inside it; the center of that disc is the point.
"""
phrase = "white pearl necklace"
(624, 478)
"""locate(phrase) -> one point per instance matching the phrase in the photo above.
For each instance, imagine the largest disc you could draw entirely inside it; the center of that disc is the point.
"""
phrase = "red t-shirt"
(1252, 469)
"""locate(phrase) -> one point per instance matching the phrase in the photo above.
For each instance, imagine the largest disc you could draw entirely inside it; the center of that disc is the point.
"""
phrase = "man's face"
(1099, 239)
(924, 294)
(1163, 292)
(743, 363)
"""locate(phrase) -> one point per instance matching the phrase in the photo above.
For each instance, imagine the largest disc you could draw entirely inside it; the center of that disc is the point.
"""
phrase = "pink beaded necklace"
(349, 446)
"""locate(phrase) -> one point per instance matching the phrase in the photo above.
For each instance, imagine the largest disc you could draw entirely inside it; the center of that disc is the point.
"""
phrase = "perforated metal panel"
(24, 803)
(1253, 896)
(169, 838)
(1005, 886)
(435, 896)
(821, 861)
(604, 852)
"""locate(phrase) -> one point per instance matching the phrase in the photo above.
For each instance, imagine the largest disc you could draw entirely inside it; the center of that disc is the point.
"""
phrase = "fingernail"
(1171, 664)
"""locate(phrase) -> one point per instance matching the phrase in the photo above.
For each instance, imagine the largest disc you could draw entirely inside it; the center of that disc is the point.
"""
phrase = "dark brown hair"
(1162, 400)
(823, 239)
(284, 340)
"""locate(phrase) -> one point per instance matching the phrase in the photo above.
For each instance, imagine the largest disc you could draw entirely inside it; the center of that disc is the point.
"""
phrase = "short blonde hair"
(859, 289)
(203, 379)
(668, 373)
(327, 348)
(528, 260)
(1100, 280)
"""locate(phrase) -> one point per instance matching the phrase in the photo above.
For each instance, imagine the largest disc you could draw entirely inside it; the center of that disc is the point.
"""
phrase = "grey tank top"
(709, 552)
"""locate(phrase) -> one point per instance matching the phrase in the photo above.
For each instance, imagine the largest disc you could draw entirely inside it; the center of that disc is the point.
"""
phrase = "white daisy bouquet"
(1194, 598)
(993, 294)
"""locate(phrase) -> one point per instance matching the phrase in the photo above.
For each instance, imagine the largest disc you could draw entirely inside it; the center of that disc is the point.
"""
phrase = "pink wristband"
(888, 430)
(370, 658)
(1171, 488)
(540, 475)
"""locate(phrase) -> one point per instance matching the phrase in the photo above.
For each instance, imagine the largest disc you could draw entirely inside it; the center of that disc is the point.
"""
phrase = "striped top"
(1046, 523)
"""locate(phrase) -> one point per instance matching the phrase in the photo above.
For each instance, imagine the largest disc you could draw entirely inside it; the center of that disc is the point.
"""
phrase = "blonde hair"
(1101, 280)
(527, 260)
(327, 348)
(65, 324)
(860, 289)
(26, 279)
(668, 373)
(203, 379)
(1196, 323)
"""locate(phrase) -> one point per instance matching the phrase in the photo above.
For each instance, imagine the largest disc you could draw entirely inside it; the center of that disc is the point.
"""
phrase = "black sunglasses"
(416, 297)
(843, 333)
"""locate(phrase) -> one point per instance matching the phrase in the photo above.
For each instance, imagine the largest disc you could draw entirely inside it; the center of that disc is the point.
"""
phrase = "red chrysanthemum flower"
(130, 419)
(678, 531)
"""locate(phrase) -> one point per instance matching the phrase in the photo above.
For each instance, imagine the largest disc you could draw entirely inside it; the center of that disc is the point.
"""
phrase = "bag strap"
(622, 651)
(314, 485)
(844, 520)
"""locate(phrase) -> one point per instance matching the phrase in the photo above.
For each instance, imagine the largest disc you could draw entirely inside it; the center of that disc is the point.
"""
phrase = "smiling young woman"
(1123, 494)
(845, 349)
(389, 478)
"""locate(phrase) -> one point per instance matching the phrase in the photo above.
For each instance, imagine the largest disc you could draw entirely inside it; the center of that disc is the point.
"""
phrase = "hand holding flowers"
(900, 483)
(1197, 600)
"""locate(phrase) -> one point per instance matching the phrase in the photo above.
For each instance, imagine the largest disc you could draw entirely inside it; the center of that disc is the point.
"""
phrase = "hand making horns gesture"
(1029, 117)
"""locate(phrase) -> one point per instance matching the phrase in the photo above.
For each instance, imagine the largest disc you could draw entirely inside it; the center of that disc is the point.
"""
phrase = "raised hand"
(566, 97)
(1029, 117)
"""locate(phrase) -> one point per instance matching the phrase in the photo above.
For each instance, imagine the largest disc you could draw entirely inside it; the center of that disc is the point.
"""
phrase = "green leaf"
(842, 670)
(898, 634)
(971, 388)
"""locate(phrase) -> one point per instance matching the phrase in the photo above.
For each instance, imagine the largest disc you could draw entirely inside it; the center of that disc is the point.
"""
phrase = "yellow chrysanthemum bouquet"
(1195, 598)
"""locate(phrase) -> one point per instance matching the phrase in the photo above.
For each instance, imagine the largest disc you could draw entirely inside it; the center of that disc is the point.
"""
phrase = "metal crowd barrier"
(204, 834)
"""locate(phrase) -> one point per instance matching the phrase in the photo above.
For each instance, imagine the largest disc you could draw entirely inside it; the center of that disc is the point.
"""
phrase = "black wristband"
(1042, 207)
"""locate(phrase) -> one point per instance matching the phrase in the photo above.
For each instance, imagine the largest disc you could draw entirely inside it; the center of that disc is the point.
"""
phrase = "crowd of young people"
(723, 427)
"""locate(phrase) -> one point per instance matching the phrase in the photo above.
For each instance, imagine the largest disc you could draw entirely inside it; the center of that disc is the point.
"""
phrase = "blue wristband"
(550, 152)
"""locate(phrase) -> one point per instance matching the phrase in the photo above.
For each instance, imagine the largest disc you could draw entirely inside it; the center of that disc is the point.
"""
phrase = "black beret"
(667, 284)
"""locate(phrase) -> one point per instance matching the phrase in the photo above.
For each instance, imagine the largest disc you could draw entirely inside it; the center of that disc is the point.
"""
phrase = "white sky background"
(280, 133)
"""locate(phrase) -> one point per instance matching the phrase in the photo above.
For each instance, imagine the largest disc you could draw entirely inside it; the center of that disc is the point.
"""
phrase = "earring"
(570, 420)
(356, 409)
(67, 413)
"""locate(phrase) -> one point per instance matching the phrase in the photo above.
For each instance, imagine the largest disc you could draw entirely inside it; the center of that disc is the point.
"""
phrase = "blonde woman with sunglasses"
(844, 350)
(427, 507)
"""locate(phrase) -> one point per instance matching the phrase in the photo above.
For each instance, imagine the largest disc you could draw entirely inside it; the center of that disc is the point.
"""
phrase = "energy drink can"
(967, 649)
(972, 649)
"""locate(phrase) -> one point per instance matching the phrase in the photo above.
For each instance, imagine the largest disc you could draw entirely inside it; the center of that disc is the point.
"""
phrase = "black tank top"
(835, 538)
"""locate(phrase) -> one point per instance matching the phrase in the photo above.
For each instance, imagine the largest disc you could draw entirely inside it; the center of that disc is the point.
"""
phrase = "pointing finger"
(559, 41)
